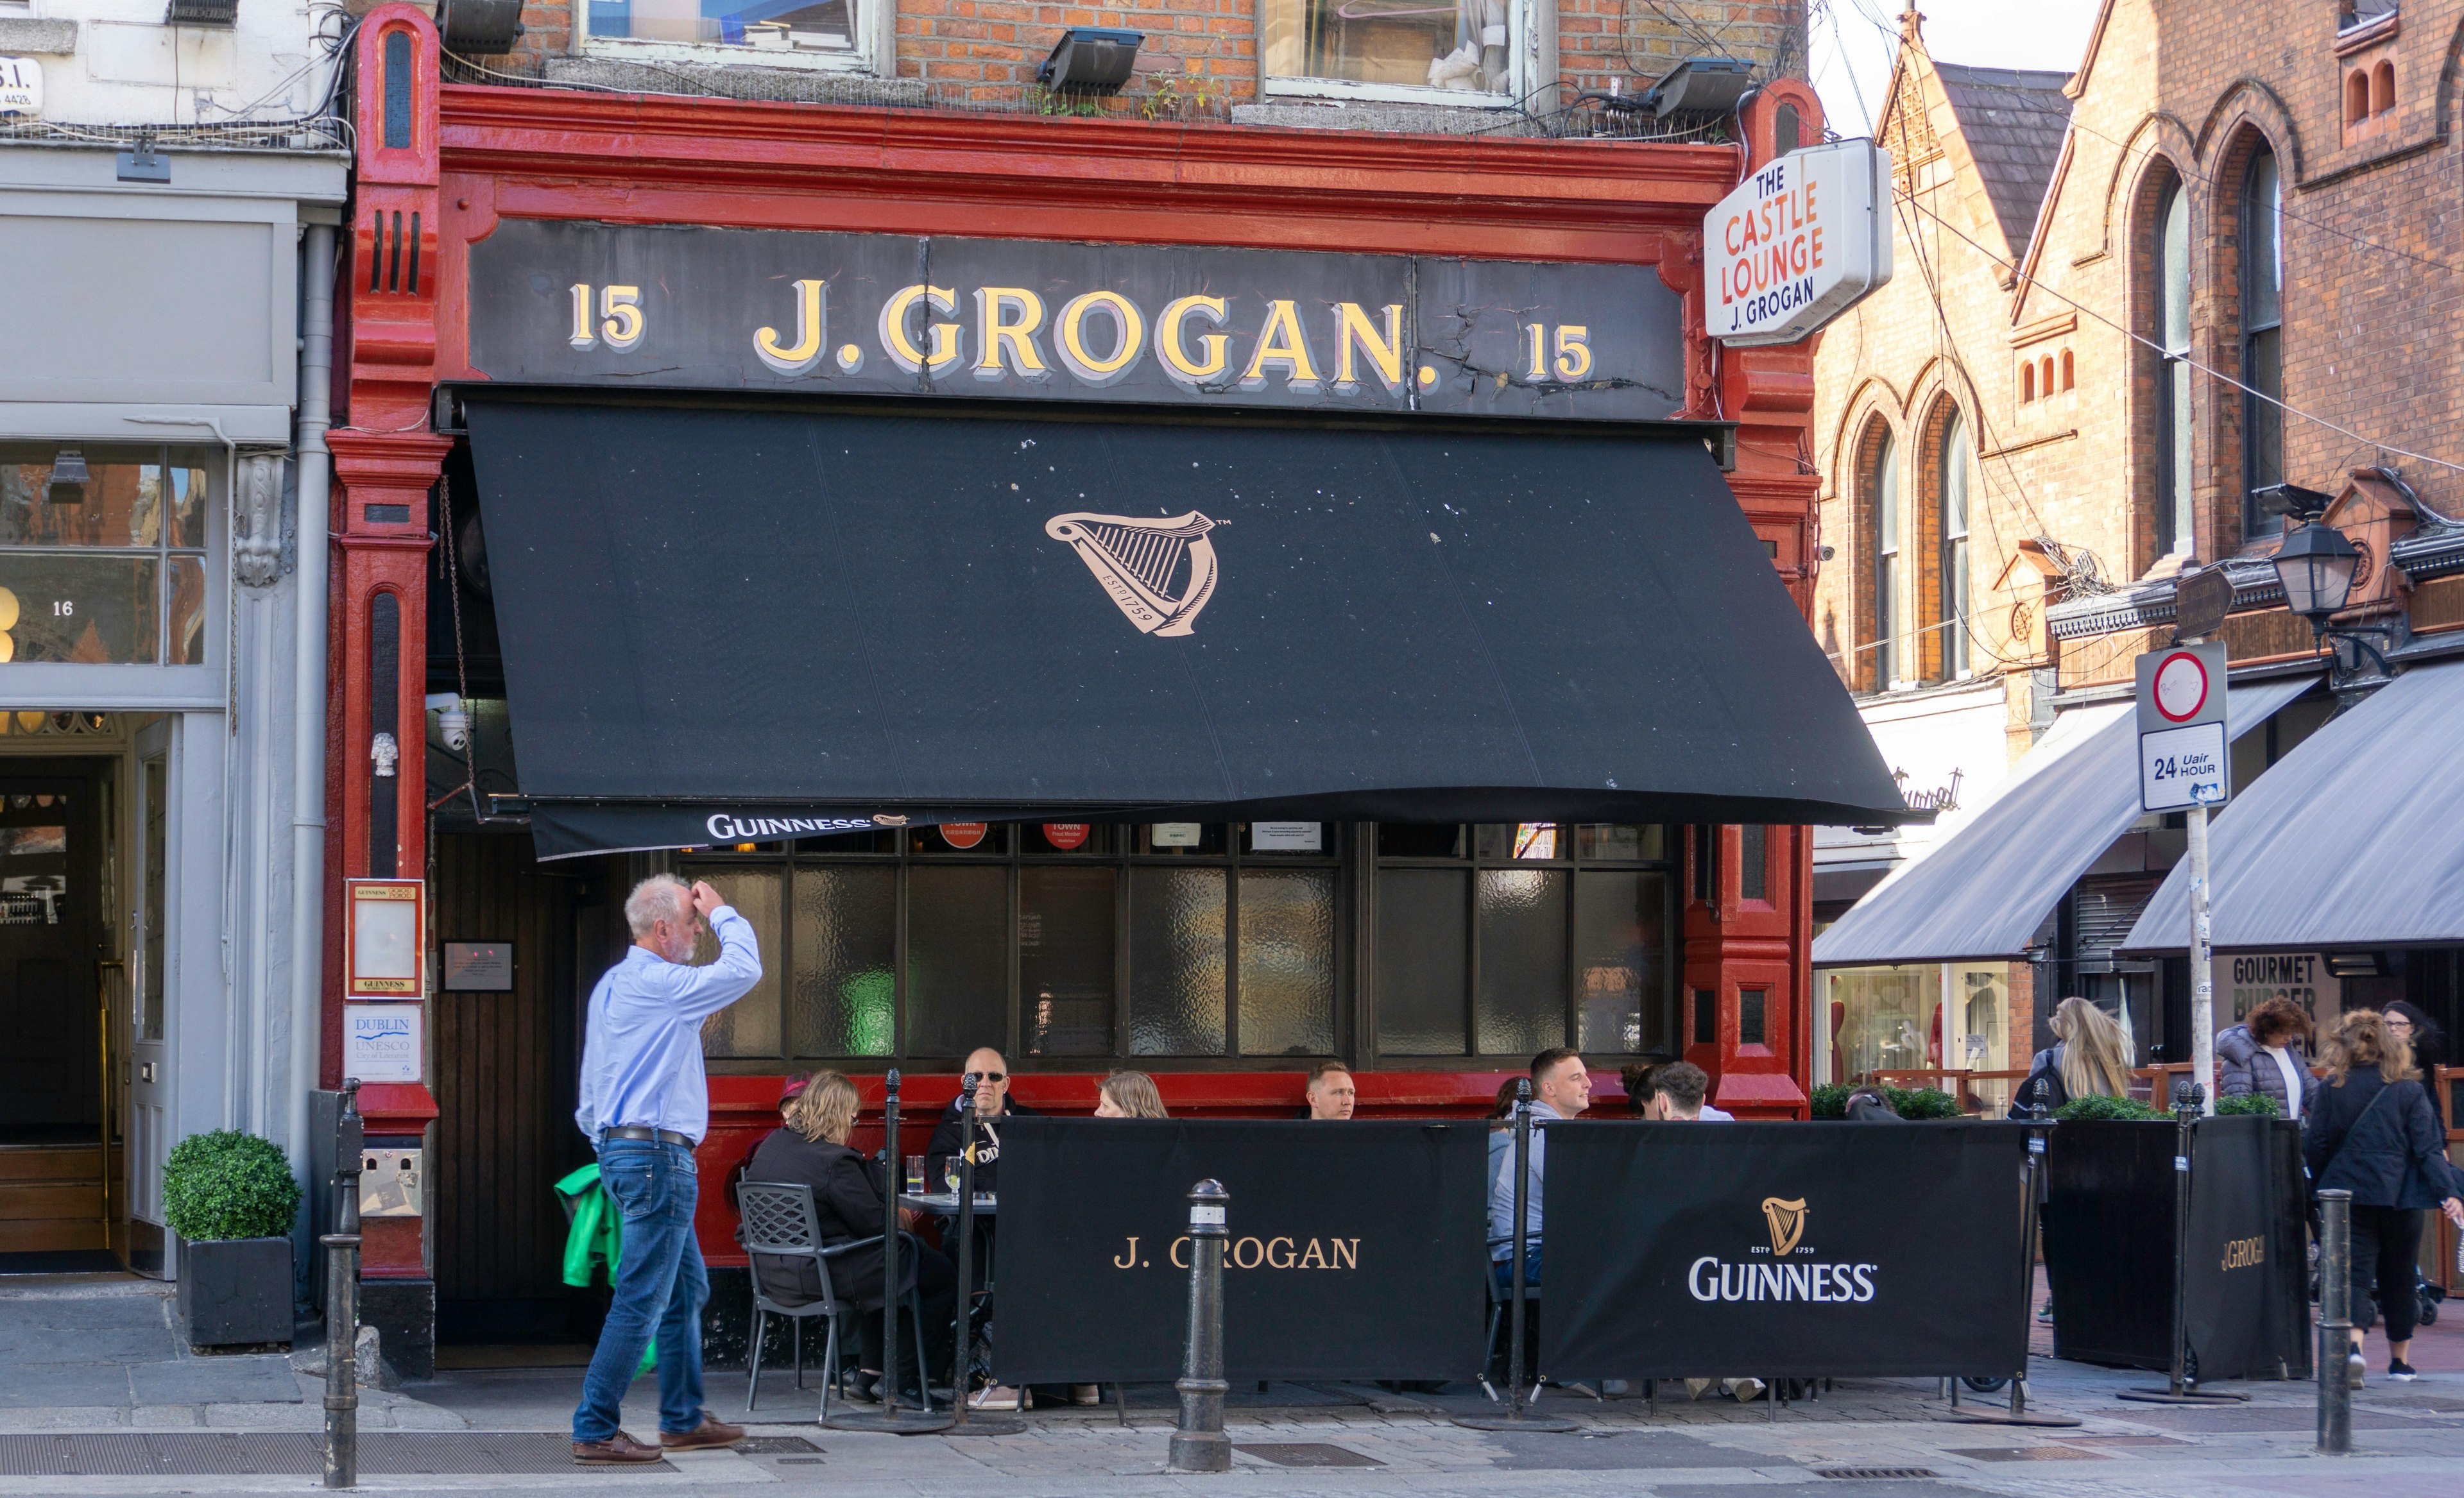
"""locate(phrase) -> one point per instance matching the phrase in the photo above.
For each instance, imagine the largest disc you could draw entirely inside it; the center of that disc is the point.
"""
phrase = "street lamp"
(2315, 566)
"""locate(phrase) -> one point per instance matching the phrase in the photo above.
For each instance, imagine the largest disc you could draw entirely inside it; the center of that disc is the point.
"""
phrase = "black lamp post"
(2315, 567)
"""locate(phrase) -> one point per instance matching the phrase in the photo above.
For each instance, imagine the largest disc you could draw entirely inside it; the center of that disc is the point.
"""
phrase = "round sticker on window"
(1067, 835)
(964, 834)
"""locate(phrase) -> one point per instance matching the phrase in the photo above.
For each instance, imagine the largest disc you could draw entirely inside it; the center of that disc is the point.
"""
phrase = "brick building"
(2218, 198)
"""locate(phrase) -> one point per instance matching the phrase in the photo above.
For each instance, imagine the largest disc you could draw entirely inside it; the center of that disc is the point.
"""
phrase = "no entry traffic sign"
(2182, 759)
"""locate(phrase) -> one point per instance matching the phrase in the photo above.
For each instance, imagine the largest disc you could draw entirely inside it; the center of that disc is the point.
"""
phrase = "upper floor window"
(1958, 461)
(1881, 479)
(103, 556)
(2172, 328)
(796, 32)
(1468, 51)
(2262, 341)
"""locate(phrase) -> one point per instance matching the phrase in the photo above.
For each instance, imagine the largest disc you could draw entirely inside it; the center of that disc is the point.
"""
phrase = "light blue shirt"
(1501, 1187)
(640, 1060)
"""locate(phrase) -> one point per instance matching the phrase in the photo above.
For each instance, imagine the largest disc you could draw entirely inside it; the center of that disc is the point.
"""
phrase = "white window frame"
(1525, 19)
(874, 54)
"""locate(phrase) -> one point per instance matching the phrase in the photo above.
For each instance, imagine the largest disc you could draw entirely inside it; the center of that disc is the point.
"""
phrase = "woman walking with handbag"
(2375, 1137)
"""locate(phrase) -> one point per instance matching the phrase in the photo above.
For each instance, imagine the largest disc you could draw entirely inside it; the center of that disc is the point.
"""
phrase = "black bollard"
(1198, 1444)
(2182, 1385)
(2032, 1173)
(342, 1297)
(1519, 1290)
(2335, 1322)
(890, 1418)
(961, 1423)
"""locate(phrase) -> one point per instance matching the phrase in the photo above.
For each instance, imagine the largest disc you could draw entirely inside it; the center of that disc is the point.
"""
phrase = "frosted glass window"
(750, 1025)
(958, 957)
(1177, 962)
(1421, 961)
(1621, 961)
(1287, 963)
(1065, 960)
(1522, 1005)
(846, 987)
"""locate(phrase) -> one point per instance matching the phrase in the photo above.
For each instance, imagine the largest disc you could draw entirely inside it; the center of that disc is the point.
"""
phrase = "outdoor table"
(945, 1204)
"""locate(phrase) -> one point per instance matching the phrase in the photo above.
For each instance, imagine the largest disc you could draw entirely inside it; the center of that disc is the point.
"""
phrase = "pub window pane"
(188, 506)
(972, 839)
(884, 840)
(958, 957)
(1287, 839)
(1420, 951)
(1287, 963)
(1080, 839)
(750, 1025)
(187, 612)
(1177, 962)
(1522, 1006)
(1750, 1005)
(1065, 960)
(844, 992)
(1181, 839)
(1753, 863)
(118, 503)
(1621, 961)
(93, 610)
(1620, 842)
(1506, 840)
(1462, 47)
(824, 29)
(1420, 840)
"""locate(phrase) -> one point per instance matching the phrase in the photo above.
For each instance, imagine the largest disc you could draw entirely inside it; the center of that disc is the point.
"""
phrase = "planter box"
(2109, 1244)
(236, 1293)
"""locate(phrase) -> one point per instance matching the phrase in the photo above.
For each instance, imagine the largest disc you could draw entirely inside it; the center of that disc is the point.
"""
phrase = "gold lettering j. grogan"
(1260, 1253)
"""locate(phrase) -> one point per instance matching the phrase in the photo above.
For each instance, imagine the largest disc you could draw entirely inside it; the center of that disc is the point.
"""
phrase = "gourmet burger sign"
(1798, 243)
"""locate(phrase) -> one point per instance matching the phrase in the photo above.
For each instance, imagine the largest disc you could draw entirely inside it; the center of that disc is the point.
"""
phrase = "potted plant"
(229, 1197)
(1831, 1101)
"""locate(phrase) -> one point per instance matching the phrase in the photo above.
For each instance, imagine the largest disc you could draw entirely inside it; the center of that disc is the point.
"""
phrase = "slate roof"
(2014, 123)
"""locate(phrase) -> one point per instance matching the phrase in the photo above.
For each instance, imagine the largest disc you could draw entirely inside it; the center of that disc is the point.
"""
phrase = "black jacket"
(2388, 1154)
(847, 1201)
(945, 1143)
(2046, 1067)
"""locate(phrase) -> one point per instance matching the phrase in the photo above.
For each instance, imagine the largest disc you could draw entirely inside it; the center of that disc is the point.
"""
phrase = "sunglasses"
(992, 1076)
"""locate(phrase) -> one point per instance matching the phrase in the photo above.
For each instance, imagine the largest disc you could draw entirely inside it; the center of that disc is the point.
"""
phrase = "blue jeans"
(660, 1284)
(1501, 1270)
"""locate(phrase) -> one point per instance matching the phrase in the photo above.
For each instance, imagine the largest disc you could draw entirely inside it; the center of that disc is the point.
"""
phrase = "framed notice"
(381, 1041)
(1286, 837)
(385, 938)
(479, 967)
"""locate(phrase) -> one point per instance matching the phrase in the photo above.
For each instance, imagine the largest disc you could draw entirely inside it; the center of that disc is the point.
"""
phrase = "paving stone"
(216, 1380)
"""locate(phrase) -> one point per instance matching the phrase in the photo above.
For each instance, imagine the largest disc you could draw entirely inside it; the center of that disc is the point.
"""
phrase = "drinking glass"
(950, 1174)
(916, 1175)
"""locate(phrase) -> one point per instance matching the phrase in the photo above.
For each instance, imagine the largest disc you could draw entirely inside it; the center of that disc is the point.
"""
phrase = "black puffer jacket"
(2244, 1068)
(2387, 1153)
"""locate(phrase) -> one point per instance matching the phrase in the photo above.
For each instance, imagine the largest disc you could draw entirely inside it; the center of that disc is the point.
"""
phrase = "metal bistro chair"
(778, 1220)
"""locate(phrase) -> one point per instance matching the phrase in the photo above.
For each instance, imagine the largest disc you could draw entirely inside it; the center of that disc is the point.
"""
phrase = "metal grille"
(75, 1456)
(293, 1454)
(776, 1446)
(1875, 1474)
(1310, 1453)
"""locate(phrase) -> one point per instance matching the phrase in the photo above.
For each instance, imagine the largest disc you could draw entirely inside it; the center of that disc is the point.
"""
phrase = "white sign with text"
(1799, 242)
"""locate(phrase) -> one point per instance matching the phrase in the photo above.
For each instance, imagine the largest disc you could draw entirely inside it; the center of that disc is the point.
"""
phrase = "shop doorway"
(55, 1134)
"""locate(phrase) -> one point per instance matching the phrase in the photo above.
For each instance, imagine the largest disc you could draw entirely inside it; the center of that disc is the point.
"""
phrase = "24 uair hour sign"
(1799, 242)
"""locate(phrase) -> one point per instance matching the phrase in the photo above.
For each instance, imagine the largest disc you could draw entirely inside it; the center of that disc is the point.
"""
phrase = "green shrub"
(2128, 1110)
(228, 1184)
(1921, 1102)
(2256, 1104)
(1830, 1100)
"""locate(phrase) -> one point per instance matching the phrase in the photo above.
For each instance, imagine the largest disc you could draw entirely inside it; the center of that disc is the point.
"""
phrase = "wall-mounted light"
(1702, 85)
(69, 478)
(1090, 59)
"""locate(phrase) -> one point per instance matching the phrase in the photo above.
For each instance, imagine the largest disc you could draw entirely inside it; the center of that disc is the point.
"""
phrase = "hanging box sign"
(385, 943)
(1799, 242)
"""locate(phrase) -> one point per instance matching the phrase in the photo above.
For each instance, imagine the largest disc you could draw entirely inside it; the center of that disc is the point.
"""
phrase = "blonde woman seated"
(1129, 1094)
(812, 1150)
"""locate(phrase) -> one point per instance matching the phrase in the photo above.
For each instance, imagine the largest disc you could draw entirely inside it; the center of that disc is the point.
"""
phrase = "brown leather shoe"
(617, 1450)
(711, 1432)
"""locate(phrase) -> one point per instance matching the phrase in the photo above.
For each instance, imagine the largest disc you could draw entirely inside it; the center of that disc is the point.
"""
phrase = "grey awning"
(2351, 840)
(1980, 889)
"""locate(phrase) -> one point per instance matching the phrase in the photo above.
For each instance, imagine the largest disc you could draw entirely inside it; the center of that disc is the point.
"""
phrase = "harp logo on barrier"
(1787, 1223)
(1158, 573)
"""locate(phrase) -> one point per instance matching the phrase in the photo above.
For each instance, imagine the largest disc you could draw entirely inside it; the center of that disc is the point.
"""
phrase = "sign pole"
(2202, 972)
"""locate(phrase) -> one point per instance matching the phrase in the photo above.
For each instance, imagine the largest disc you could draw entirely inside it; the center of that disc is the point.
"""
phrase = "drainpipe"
(308, 693)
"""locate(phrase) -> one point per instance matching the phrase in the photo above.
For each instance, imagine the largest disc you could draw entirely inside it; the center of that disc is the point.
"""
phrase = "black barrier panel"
(1787, 1249)
(2109, 1237)
(1356, 1249)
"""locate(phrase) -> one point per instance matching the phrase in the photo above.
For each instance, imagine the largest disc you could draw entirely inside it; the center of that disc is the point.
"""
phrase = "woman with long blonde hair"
(2374, 1136)
(2090, 1057)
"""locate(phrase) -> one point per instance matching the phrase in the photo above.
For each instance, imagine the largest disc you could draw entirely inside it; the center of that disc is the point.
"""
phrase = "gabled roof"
(2014, 123)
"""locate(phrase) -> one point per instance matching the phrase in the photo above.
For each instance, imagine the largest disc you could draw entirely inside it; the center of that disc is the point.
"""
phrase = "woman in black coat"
(812, 1150)
(2374, 1136)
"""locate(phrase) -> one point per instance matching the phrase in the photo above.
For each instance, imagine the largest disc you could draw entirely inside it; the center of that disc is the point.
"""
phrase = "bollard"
(2335, 1322)
(1200, 1444)
(342, 1298)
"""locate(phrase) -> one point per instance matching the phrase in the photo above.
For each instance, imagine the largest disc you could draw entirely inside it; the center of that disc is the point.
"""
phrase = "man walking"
(646, 1104)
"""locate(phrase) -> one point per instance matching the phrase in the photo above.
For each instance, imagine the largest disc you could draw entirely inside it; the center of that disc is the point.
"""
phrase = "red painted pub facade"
(1721, 975)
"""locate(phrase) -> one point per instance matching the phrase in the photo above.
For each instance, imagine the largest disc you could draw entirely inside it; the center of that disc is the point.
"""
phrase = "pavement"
(99, 1397)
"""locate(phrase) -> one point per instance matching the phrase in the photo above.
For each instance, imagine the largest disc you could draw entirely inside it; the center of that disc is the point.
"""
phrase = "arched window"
(2045, 374)
(2383, 88)
(1951, 489)
(2356, 97)
(1881, 480)
(2027, 381)
(2172, 319)
(2067, 379)
(2262, 342)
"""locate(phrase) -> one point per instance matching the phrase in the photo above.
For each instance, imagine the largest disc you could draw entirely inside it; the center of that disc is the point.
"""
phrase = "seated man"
(992, 1105)
(1329, 1091)
(1561, 1087)
(1677, 1095)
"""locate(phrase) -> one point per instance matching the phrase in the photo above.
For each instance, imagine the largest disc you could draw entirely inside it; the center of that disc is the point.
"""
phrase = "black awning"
(794, 621)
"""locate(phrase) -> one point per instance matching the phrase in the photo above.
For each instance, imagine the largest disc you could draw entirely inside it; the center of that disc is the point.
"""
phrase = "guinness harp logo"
(1160, 573)
(1787, 1223)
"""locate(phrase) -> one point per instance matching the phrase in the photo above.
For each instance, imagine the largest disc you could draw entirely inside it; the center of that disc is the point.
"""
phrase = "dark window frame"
(2262, 340)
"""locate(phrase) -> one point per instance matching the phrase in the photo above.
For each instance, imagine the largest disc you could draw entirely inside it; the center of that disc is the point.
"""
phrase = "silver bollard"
(342, 1298)
(1200, 1444)
(2335, 1322)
